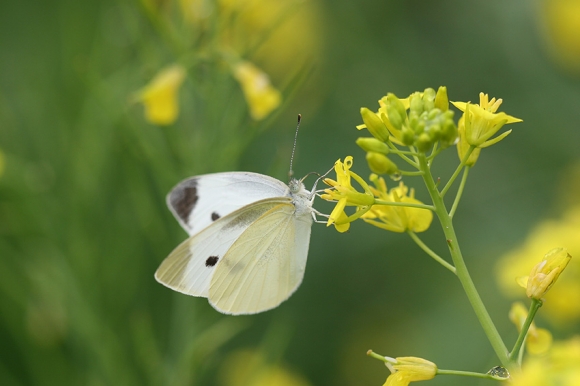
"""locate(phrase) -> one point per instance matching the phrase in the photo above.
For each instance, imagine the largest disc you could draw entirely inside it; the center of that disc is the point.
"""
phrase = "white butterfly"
(249, 236)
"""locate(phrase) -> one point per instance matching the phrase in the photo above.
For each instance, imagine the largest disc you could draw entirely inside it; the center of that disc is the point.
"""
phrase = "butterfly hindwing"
(199, 201)
(265, 265)
(189, 268)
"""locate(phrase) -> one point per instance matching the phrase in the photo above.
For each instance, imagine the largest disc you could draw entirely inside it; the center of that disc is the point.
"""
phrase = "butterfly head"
(296, 187)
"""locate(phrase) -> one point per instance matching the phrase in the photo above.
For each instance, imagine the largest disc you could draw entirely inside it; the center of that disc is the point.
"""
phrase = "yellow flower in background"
(283, 36)
(562, 303)
(160, 96)
(397, 218)
(560, 20)
(261, 96)
(538, 340)
(409, 369)
(559, 367)
(251, 368)
(545, 273)
(195, 11)
(482, 122)
(344, 194)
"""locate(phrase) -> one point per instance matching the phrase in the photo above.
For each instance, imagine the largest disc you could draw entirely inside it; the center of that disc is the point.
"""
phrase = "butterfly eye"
(211, 261)
(215, 216)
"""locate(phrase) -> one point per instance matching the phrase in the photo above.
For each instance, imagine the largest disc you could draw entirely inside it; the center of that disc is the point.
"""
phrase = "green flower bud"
(433, 113)
(374, 124)
(424, 142)
(408, 136)
(448, 133)
(428, 99)
(395, 104)
(441, 100)
(395, 118)
(435, 132)
(416, 103)
(380, 164)
(372, 144)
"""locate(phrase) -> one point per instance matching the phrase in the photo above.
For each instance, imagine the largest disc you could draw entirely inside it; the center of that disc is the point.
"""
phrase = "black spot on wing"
(211, 261)
(215, 216)
(183, 199)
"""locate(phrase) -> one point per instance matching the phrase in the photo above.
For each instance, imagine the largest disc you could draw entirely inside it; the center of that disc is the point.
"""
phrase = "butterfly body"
(248, 244)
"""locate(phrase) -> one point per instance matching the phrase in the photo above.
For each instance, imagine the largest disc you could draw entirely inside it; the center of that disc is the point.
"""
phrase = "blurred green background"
(83, 222)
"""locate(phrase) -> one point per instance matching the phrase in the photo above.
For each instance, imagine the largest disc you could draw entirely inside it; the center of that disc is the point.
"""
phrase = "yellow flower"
(345, 194)
(409, 369)
(545, 273)
(397, 218)
(482, 122)
(463, 146)
(561, 26)
(260, 95)
(559, 367)
(562, 303)
(538, 340)
(252, 368)
(160, 96)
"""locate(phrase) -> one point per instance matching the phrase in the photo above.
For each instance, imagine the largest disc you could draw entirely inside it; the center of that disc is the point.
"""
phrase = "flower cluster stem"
(515, 353)
(461, 269)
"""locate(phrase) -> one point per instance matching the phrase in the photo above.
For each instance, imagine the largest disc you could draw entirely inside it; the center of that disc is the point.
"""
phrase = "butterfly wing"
(198, 201)
(189, 268)
(265, 265)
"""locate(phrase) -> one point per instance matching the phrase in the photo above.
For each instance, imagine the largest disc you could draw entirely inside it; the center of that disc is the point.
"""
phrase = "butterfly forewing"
(265, 265)
(198, 201)
(189, 268)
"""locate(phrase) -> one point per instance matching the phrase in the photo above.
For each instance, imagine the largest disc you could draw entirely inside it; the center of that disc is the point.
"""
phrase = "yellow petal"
(160, 96)
(261, 96)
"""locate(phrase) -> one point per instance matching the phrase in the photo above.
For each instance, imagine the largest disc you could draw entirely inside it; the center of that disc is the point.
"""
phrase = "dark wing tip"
(183, 198)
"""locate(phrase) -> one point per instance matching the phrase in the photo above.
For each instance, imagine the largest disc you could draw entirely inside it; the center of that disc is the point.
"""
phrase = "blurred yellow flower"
(538, 340)
(409, 369)
(563, 301)
(545, 273)
(250, 368)
(482, 122)
(261, 96)
(160, 96)
(345, 194)
(561, 22)
(559, 367)
(397, 218)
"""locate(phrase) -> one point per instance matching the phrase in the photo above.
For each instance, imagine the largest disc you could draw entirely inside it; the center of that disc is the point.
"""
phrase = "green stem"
(407, 204)
(461, 269)
(457, 171)
(428, 251)
(534, 307)
(470, 374)
(459, 192)
(407, 173)
(401, 153)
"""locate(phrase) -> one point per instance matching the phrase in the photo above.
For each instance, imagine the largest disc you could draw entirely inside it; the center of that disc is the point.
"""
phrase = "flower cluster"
(394, 210)
(420, 120)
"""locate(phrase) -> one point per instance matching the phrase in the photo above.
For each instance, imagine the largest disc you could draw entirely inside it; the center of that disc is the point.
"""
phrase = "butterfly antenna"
(291, 172)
